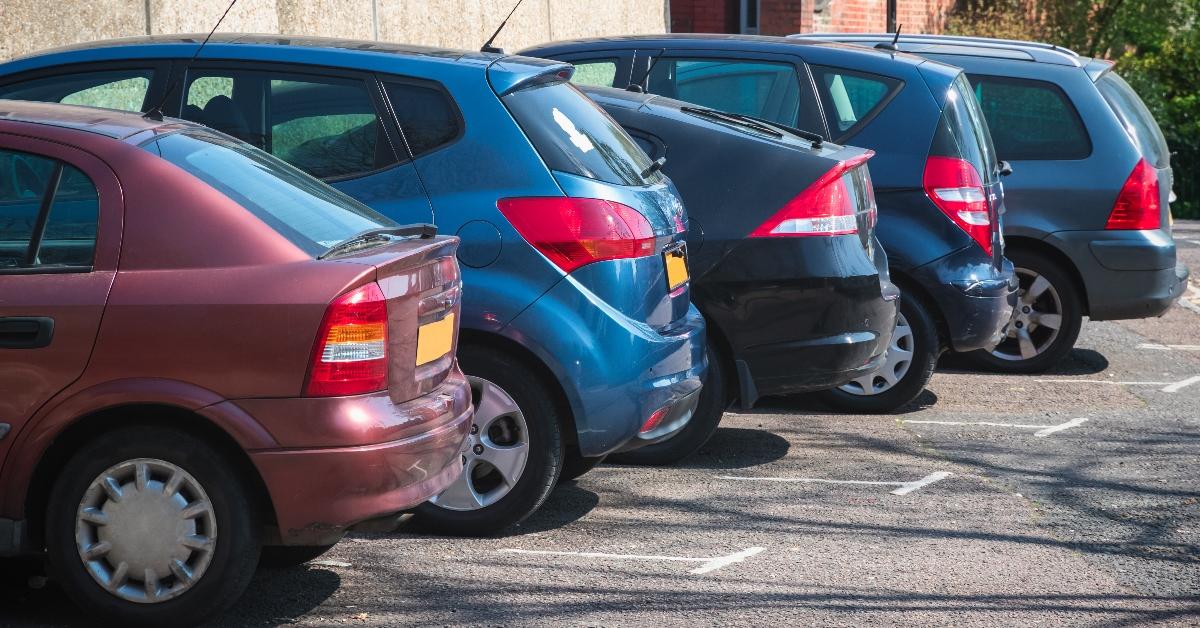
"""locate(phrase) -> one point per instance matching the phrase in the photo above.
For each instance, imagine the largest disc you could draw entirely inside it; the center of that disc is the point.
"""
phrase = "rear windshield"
(309, 213)
(1139, 123)
(963, 132)
(575, 136)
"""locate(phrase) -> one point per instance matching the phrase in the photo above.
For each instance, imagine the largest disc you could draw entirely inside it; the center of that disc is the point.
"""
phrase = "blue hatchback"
(577, 323)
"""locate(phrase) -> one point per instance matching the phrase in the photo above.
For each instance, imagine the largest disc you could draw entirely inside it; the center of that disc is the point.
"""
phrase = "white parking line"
(1099, 381)
(708, 564)
(904, 488)
(1157, 347)
(1043, 430)
(1180, 385)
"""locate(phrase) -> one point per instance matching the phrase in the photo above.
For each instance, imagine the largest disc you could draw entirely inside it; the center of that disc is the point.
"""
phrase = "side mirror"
(1005, 168)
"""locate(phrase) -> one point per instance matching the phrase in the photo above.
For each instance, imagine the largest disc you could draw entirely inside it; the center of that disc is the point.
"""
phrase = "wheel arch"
(1054, 253)
(910, 286)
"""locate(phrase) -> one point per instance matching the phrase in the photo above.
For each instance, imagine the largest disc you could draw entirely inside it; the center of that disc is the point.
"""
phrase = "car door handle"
(26, 332)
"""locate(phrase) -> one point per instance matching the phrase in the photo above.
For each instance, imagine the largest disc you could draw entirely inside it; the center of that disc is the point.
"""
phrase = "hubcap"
(1035, 321)
(145, 530)
(895, 365)
(495, 453)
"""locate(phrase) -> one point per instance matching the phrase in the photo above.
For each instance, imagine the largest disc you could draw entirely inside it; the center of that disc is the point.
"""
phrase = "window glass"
(309, 213)
(111, 89)
(851, 97)
(1139, 123)
(1031, 119)
(755, 88)
(963, 132)
(427, 116)
(574, 135)
(601, 72)
(326, 127)
(69, 236)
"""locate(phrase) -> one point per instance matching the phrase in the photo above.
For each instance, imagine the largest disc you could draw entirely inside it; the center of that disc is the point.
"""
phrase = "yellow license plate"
(435, 339)
(677, 269)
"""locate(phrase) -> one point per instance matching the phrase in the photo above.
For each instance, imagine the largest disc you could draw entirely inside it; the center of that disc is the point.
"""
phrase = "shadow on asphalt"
(1077, 362)
(567, 503)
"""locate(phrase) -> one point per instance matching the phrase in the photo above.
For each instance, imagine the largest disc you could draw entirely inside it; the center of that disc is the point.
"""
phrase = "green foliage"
(1156, 44)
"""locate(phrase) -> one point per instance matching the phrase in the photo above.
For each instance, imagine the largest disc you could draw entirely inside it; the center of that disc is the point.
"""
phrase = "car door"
(328, 123)
(60, 223)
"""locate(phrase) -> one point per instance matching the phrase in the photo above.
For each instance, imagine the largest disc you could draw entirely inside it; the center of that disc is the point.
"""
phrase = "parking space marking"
(1043, 430)
(1157, 347)
(1180, 385)
(708, 564)
(1099, 381)
(903, 488)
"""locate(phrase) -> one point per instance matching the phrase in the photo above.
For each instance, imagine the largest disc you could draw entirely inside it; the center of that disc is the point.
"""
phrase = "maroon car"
(203, 353)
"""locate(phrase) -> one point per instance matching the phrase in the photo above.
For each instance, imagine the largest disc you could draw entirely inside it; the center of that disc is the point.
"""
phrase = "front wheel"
(151, 526)
(1044, 325)
(512, 458)
(911, 357)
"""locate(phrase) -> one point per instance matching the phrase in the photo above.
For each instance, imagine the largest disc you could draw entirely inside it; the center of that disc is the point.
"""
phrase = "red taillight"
(825, 208)
(573, 232)
(1138, 205)
(351, 353)
(956, 188)
(654, 421)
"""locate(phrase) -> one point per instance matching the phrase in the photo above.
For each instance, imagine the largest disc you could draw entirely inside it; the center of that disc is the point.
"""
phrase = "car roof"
(118, 125)
(1037, 52)
(759, 43)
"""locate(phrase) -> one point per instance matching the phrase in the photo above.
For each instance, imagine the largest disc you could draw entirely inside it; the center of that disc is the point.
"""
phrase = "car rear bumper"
(615, 370)
(799, 314)
(320, 490)
(1126, 274)
(974, 298)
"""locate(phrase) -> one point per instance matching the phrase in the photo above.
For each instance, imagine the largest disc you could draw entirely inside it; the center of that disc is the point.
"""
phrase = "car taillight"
(573, 232)
(437, 320)
(350, 357)
(825, 208)
(954, 185)
(1138, 205)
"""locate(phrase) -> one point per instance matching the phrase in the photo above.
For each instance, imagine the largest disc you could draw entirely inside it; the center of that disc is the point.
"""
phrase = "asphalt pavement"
(1067, 498)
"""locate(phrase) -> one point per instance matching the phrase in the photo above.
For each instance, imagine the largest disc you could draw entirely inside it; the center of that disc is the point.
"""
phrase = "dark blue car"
(577, 323)
(1089, 220)
(936, 176)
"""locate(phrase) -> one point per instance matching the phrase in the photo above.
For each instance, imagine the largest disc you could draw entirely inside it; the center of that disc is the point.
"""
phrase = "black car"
(936, 176)
(781, 246)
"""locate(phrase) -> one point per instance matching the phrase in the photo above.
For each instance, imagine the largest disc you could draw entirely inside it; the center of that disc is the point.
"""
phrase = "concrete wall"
(31, 25)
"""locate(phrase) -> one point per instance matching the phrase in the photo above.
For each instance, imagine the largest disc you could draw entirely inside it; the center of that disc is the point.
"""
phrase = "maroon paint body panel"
(195, 303)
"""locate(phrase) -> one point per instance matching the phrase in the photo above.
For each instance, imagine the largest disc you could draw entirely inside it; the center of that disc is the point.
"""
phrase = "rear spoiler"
(1097, 68)
(509, 74)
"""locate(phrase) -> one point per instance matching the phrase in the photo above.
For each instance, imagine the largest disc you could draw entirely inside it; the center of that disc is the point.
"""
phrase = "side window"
(599, 72)
(1031, 119)
(763, 89)
(111, 89)
(325, 126)
(48, 213)
(426, 114)
(851, 97)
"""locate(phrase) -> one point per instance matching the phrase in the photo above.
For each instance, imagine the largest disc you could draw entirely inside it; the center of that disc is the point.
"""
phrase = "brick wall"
(784, 17)
(704, 16)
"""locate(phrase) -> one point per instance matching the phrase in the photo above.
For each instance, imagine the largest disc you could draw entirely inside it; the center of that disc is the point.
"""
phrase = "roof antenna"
(895, 40)
(155, 112)
(636, 86)
(487, 45)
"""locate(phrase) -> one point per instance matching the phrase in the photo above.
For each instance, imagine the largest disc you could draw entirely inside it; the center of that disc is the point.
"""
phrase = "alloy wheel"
(894, 368)
(495, 453)
(145, 530)
(1035, 321)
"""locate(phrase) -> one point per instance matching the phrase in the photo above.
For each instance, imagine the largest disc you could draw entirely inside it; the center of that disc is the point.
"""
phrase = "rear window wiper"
(381, 234)
(734, 118)
(816, 138)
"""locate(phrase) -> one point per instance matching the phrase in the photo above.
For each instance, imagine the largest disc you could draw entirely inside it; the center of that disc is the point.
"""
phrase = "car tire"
(91, 508)
(575, 465)
(513, 407)
(288, 556)
(699, 429)
(1058, 298)
(915, 338)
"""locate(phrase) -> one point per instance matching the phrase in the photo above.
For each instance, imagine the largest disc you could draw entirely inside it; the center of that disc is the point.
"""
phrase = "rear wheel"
(1044, 325)
(151, 526)
(911, 357)
(511, 460)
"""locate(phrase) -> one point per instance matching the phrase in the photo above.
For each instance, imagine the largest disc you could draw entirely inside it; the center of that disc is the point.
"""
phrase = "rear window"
(1031, 120)
(309, 213)
(963, 132)
(762, 89)
(851, 97)
(573, 135)
(1139, 123)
